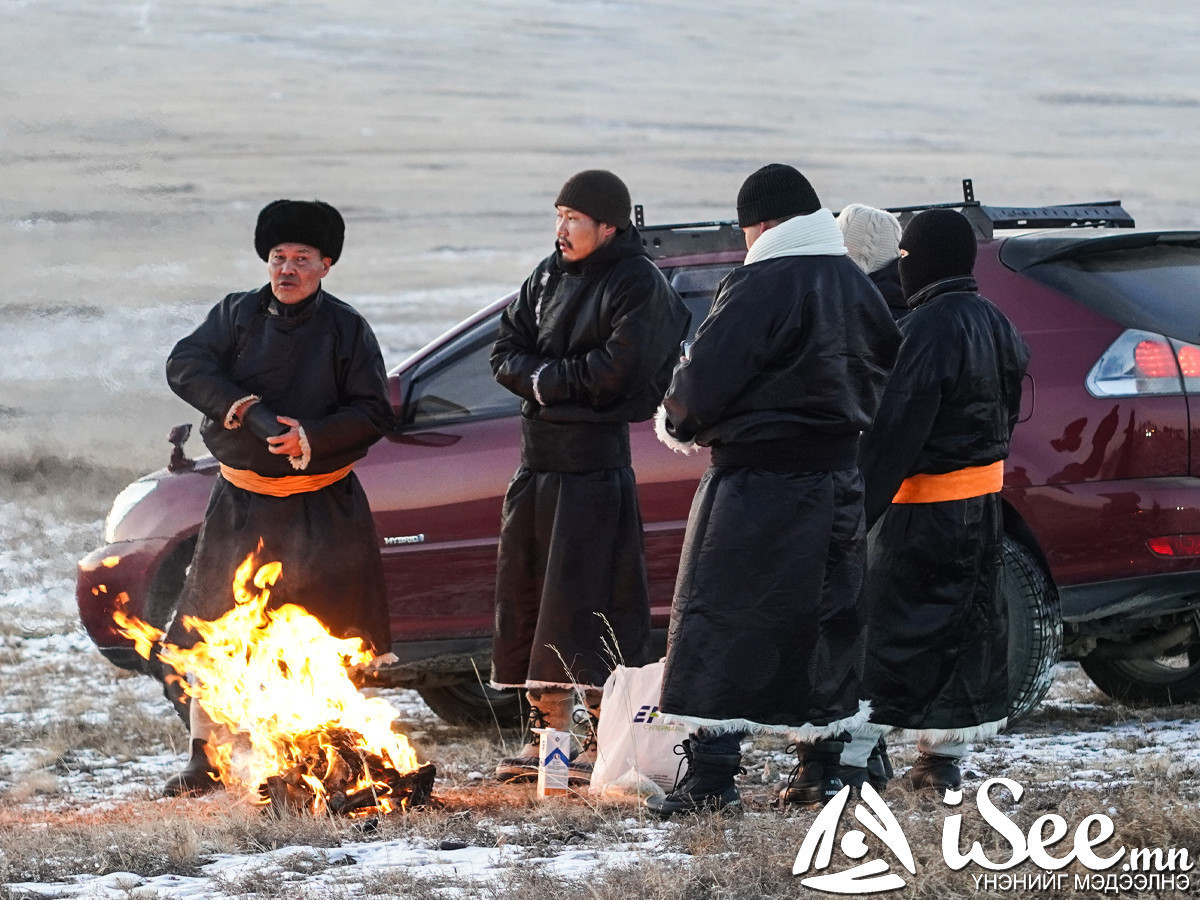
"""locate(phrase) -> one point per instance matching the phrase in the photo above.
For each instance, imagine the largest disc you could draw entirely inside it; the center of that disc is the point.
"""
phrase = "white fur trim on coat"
(545, 686)
(967, 735)
(660, 428)
(231, 420)
(804, 734)
(300, 463)
(816, 234)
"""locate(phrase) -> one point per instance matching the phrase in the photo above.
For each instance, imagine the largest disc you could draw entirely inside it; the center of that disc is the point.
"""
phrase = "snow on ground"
(55, 685)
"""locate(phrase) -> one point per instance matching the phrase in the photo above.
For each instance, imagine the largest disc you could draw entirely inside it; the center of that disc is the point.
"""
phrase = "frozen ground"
(87, 744)
(138, 141)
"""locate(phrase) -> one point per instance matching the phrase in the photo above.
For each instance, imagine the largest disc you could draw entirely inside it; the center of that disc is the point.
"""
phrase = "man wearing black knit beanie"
(937, 656)
(588, 345)
(784, 375)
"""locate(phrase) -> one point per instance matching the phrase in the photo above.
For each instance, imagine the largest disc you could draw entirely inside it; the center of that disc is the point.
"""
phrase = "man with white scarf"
(784, 375)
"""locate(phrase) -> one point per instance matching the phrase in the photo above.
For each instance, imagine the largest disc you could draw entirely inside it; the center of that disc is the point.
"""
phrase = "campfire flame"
(296, 731)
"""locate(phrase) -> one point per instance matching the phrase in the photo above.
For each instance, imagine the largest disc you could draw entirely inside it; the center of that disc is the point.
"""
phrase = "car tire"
(1034, 628)
(472, 703)
(1154, 681)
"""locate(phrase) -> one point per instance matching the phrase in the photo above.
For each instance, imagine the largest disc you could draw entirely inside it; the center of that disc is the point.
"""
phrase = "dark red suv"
(1102, 491)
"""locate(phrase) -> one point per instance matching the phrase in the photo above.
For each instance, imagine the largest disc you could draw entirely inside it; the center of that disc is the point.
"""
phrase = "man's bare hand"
(288, 443)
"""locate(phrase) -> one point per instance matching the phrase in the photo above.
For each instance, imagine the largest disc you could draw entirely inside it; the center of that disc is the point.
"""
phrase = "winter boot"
(816, 778)
(198, 777)
(706, 785)
(878, 770)
(933, 772)
(582, 764)
(547, 709)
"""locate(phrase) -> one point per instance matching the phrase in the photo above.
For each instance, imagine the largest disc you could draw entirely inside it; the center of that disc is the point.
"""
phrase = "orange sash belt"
(958, 485)
(281, 487)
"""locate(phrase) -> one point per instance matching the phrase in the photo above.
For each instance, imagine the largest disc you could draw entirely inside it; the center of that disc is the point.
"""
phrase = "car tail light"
(1189, 364)
(1135, 364)
(1175, 545)
(1154, 359)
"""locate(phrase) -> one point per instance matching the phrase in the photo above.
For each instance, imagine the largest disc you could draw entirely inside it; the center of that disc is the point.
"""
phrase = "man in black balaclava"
(937, 655)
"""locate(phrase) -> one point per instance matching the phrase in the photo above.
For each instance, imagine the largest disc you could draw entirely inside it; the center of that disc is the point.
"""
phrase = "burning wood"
(338, 762)
(296, 734)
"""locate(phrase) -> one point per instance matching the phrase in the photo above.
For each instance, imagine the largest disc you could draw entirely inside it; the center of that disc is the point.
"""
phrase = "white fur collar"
(816, 234)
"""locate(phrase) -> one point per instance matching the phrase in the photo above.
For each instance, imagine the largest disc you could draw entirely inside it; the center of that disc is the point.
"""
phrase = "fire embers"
(335, 760)
(290, 728)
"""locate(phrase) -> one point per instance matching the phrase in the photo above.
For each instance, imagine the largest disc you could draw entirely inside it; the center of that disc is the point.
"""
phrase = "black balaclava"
(940, 244)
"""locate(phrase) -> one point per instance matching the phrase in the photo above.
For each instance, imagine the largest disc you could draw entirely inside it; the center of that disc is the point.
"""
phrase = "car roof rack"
(720, 236)
(986, 219)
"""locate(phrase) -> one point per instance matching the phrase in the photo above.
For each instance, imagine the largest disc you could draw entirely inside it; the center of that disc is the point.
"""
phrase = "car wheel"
(1163, 681)
(472, 703)
(1034, 628)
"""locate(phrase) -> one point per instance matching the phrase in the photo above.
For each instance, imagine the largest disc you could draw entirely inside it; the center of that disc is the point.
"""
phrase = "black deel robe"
(316, 361)
(601, 335)
(785, 373)
(937, 657)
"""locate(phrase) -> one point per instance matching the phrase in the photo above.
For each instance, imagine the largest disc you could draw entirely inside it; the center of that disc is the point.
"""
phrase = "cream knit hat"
(872, 235)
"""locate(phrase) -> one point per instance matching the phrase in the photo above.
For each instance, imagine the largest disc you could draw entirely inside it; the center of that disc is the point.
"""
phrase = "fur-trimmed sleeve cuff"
(232, 420)
(660, 429)
(300, 463)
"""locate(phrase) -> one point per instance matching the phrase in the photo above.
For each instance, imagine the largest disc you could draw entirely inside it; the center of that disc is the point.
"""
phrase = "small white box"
(554, 762)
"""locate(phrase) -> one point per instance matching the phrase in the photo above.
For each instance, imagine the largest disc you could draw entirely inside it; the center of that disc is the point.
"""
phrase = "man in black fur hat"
(588, 345)
(293, 390)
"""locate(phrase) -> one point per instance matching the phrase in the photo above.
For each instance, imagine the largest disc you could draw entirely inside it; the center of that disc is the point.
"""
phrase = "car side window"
(457, 384)
(697, 285)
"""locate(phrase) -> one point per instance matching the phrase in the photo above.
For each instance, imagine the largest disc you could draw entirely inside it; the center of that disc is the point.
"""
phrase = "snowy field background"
(139, 140)
(85, 749)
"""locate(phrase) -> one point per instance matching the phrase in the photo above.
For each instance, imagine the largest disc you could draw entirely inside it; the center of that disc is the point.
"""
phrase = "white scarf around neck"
(816, 234)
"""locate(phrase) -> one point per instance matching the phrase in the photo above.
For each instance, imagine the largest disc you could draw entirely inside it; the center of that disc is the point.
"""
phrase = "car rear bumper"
(1094, 537)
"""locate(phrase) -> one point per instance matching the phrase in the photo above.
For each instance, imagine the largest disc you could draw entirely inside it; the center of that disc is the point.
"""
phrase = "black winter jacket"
(317, 362)
(887, 280)
(605, 333)
(793, 347)
(954, 396)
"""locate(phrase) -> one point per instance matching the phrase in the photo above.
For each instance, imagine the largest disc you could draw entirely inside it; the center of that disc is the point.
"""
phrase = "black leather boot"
(706, 786)
(817, 777)
(198, 777)
(931, 771)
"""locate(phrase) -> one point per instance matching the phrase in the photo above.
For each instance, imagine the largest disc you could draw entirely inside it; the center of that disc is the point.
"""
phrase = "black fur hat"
(308, 222)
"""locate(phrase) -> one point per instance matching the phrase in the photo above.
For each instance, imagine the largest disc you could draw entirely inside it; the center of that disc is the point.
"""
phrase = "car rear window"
(1152, 284)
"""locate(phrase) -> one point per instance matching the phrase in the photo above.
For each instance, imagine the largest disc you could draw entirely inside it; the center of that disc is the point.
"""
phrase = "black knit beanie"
(599, 194)
(308, 222)
(940, 244)
(775, 192)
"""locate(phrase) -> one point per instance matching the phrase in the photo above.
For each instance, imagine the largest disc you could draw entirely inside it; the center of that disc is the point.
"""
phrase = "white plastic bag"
(635, 750)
